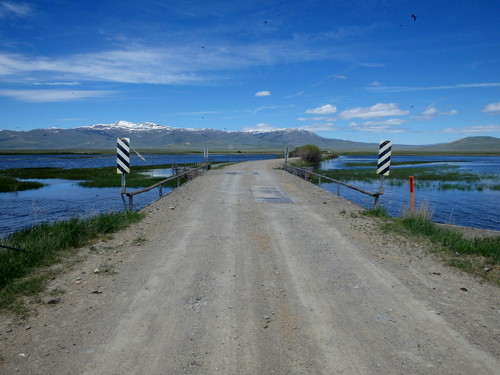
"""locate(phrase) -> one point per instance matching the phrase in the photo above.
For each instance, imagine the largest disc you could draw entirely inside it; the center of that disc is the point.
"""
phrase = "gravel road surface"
(250, 270)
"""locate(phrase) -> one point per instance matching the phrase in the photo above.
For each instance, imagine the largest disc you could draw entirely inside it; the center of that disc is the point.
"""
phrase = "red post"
(412, 197)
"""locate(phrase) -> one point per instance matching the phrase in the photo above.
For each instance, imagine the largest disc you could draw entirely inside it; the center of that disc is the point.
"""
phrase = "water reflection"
(161, 172)
(63, 199)
(459, 203)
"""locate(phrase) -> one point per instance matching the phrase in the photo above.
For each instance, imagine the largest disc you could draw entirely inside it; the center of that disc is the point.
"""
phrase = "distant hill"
(149, 136)
(469, 144)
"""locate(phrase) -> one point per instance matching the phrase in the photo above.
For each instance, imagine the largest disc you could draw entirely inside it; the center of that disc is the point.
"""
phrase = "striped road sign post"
(384, 162)
(123, 159)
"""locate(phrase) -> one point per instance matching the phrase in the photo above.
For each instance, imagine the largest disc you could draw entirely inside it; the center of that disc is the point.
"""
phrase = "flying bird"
(414, 17)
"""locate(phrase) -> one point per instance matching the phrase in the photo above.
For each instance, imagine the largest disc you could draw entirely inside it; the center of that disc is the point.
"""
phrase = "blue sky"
(362, 70)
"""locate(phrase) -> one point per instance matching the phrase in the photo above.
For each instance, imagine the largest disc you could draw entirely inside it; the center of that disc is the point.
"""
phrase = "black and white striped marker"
(384, 158)
(122, 155)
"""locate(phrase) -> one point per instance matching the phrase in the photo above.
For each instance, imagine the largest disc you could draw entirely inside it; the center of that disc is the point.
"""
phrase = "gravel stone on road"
(250, 270)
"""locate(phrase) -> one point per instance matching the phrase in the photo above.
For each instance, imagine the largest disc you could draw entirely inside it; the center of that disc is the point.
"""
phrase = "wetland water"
(467, 204)
(63, 199)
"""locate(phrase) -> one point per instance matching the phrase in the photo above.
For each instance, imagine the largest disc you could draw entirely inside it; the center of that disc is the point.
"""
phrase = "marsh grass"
(91, 177)
(45, 245)
(11, 184)
(442, 177)
(393, 163)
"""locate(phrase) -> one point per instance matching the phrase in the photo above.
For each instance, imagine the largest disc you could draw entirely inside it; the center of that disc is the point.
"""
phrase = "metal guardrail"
(190, 173)
(307, 174)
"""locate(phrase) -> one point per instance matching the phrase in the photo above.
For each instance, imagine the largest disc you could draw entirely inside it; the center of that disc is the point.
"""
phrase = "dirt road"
(249, 270)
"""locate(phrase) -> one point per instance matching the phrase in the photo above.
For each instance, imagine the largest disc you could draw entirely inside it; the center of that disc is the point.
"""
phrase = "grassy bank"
(22, 271)
(479, 255)
(10, 184)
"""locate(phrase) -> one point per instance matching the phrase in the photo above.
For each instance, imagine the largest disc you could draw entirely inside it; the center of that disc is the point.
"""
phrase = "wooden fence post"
(412, 196)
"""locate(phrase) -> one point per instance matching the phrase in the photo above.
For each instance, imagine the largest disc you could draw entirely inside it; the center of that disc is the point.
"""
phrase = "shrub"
(309, 153)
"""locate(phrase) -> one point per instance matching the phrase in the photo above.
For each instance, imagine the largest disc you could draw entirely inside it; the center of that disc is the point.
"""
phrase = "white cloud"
(263, 93)
(127, 66)
(449, 113)
(295, 95)
(492, 109)
(177, 64)
(262, 127)
(390, 122)
(45, 96)
(321, 127)
(375, 127)
(431, 111)
(479, 129)
(56, 83)
(8, 8)
(327, 109)
(71, 119)
(319, 118)
(268, 107)
(377, 110)
(422, 88)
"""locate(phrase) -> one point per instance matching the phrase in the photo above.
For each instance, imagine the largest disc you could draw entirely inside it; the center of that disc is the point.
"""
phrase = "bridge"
(249, 269)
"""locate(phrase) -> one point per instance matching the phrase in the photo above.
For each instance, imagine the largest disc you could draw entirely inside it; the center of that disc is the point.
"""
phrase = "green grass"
(452, 240)
(10, 184)
(45, 245)
(92, 177)
(380, 211)
(479, 256)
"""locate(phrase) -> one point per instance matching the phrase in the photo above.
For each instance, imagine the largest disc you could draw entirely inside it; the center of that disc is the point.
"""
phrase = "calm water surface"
(478, 209)
(63, 199)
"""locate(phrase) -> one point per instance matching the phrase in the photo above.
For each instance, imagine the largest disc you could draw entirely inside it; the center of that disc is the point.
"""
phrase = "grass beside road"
(22, 272)
(454, 241)
(478, 255)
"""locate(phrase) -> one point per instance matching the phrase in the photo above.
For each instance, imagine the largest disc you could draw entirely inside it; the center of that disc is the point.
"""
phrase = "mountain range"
(149, 136)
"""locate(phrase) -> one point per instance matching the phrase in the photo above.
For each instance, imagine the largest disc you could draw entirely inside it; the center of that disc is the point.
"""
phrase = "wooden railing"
(189, 174)
(307, 174)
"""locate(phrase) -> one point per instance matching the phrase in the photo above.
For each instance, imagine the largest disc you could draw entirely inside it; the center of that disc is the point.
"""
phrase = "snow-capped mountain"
(126, 126)
(150, 136)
